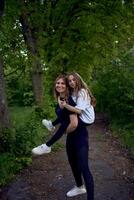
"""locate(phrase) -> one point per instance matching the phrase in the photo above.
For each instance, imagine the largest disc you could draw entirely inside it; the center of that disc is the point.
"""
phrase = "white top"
(83, 102)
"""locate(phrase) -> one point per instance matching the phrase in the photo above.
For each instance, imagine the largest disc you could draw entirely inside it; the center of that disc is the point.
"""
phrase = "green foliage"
(7, 138)
(10, 165)
(125, 133)
(19, 140)
(7, 167)
(127, 137)
(21, 94)
(20, 115)
(94, 38)
(78, 36)
(115, 89)
(16, 143)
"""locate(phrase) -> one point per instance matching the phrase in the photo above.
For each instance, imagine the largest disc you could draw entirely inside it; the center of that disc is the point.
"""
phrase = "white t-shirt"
(83, 102)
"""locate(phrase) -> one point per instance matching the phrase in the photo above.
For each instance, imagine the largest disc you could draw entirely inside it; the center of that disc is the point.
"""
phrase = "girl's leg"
(82, 156)
(57, 135)
(49, 124)
(72, 158)
(56, 121)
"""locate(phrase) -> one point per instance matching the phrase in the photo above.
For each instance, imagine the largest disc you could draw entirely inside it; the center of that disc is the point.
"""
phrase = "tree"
(4, 113)
(29, 33)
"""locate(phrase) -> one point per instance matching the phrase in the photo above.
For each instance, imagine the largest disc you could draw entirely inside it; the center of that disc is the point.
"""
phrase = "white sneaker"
(76, 191)
(42, 149)
(48, 124)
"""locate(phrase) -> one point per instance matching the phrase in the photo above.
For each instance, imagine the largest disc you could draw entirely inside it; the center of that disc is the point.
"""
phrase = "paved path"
(49, 177)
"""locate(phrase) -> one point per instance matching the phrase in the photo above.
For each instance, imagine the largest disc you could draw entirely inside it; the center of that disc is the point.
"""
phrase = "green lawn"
(19, 115)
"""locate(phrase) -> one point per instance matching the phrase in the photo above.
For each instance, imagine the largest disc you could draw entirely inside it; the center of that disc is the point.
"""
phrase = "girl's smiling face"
(72, 82)
(60, 86)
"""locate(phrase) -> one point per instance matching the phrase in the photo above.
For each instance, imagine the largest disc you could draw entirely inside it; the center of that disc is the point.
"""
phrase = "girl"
(82, 96)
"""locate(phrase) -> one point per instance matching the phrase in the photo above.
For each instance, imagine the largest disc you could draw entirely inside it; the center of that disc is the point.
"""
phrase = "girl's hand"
(63, 103)
(60, 103)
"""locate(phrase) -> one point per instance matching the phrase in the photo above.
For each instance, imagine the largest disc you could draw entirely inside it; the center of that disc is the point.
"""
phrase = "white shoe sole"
(36, 152)
(39, 154)
(73, 195)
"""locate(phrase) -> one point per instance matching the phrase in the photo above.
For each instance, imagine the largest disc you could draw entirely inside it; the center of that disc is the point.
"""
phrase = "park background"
(41, 39)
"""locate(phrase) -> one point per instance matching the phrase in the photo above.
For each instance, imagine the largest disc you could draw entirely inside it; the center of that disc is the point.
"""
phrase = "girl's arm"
(64, 104)
(73, 118)
(81, 103)
(71, 108)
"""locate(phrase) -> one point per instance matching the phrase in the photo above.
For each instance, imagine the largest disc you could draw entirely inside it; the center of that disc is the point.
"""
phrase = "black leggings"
(78, 160)
(59, 133)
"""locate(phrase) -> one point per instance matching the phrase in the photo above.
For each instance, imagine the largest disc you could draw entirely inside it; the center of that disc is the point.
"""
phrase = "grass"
(126, 135)
(19, 115)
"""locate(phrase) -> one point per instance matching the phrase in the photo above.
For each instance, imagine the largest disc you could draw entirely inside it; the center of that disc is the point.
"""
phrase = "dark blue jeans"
(77, 151)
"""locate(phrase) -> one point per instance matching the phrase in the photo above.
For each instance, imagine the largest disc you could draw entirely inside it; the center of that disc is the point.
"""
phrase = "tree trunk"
(31, 42)
(4, 114)
(2, 5)
(36, 74)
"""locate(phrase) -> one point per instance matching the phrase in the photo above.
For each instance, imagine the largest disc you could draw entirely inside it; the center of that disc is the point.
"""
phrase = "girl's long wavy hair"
(80, 84)
(64, 78)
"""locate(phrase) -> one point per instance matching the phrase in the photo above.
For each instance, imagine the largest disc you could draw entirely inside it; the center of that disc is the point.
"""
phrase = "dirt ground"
(49, 177)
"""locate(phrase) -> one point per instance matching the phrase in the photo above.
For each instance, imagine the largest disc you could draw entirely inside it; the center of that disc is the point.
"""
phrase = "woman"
(67, 119)
(77, 142)
(76, 147)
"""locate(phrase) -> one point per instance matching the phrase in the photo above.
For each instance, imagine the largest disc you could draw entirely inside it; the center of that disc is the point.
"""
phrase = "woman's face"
(72, 82)
(60, 86)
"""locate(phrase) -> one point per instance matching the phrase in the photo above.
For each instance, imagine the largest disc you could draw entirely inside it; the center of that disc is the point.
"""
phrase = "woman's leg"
(59, 133)
(72, 158)
(82, 157)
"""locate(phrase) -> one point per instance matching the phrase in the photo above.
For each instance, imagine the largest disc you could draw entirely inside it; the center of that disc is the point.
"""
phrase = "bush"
(16, 144)
(10, 165)
(114, 90)
(125, 133)
(19, 91)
